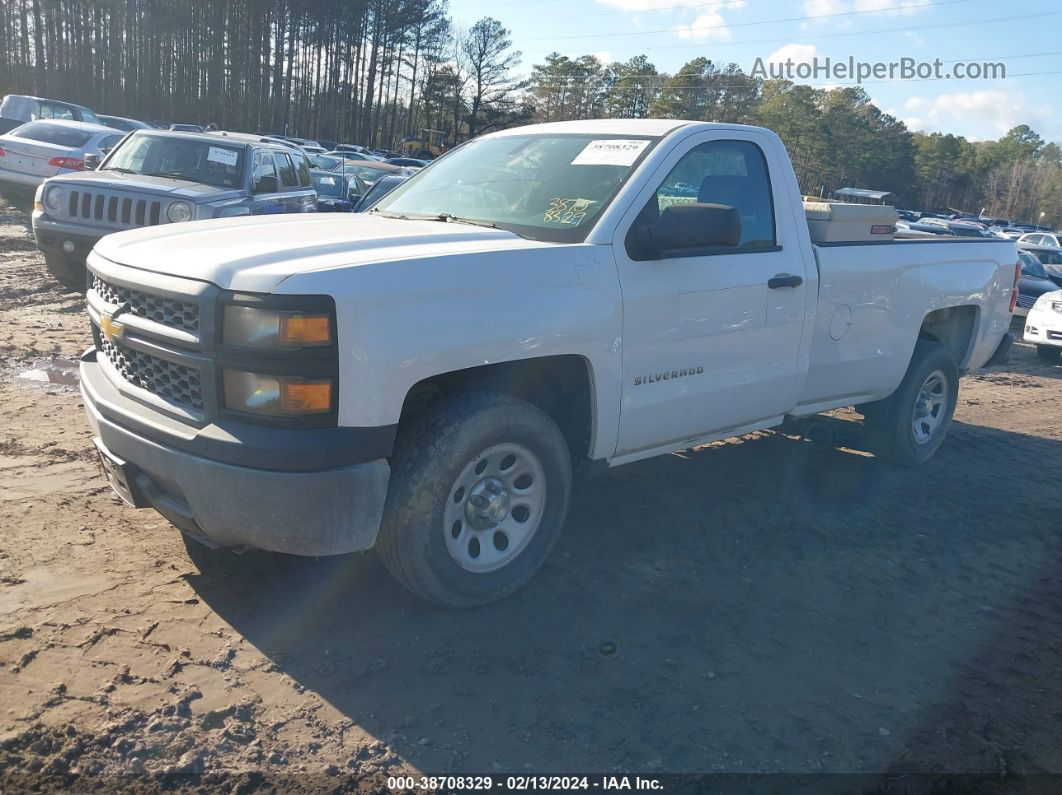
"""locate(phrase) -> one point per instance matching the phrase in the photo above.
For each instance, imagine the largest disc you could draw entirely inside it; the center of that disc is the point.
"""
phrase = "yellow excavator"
(426, 146)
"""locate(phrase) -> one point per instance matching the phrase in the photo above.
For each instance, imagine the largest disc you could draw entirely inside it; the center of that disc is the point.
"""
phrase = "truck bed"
(872, 297)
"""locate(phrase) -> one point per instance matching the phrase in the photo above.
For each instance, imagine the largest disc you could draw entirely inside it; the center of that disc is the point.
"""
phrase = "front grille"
(1054, 335)
(1026, 301)
(168, 311)
(170, 381)
(113, 209)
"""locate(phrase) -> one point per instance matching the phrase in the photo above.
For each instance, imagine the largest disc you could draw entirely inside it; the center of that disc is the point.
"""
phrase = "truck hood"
(257, 253)
(141, 183)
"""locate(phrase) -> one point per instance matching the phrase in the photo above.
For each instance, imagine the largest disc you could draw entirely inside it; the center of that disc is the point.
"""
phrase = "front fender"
(402, 322)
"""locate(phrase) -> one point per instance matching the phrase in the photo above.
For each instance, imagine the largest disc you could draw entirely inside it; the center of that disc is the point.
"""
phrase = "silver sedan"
(36, 150)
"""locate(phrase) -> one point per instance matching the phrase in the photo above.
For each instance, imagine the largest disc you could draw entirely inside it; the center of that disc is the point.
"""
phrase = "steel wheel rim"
(494, 507)
(930, 407)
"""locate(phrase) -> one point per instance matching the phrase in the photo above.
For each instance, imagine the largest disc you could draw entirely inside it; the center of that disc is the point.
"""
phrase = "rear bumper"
(318, 512)
(16, 179)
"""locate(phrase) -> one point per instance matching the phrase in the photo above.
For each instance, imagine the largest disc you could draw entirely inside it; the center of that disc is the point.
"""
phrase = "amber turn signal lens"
(277, 395)
(305, 397)
(305, 330)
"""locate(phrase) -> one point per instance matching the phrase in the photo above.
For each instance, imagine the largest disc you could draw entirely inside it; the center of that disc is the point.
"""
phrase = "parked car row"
(914, 224)
(154, 177)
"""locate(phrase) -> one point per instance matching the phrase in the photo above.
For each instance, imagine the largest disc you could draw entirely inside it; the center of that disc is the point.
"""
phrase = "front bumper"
(325, 511)
(1043, 327)
(51, 235)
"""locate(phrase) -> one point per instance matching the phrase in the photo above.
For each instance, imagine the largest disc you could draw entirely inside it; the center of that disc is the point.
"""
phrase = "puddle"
(57, 371)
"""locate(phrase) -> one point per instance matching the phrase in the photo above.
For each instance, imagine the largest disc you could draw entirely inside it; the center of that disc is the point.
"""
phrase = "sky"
(1021, 34)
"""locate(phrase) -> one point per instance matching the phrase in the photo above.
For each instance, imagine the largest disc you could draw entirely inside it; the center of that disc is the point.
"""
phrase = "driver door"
(711, 338)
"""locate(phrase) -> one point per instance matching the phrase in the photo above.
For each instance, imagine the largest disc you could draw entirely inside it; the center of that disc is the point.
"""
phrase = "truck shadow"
(758, 605)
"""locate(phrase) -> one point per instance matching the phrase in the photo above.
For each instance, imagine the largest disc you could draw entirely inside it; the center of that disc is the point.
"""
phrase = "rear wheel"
(909, 426)
(1049, 353)
(479, 492)
(69, 273)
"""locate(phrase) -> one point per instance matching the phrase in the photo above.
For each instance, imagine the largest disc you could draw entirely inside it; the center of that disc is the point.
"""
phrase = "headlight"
(54, 197)
(179, 211)
(249, 327)
(276, 395)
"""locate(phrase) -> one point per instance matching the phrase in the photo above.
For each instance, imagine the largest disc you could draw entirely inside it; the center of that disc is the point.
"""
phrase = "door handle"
(784, 280)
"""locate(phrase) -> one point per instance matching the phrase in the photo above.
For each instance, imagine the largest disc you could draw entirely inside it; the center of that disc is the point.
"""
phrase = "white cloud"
(604, 56)
(709, 25)
(973, 109)
(799, 53)
(916, 103)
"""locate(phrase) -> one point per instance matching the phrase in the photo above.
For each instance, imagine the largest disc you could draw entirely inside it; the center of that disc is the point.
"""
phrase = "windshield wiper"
(119, 169)
(450, 218)
(181, 177)
(386, 214)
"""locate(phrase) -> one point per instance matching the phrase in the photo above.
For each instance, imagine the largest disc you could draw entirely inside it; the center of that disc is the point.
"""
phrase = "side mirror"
(686, 229)
(92, 161)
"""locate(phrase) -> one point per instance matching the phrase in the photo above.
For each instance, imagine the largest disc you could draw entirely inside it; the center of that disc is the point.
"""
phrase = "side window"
(1035, 239)
(731, 173)
(286, 170)
(264, 177)
(52, 111)
(304, 172)
(107, 143)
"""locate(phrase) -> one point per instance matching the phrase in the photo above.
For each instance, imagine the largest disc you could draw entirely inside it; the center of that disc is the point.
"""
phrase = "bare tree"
(487, 47)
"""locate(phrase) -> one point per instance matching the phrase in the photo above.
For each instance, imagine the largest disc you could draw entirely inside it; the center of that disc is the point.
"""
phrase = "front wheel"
(909, 426)
(480, 486)
(1049, 353)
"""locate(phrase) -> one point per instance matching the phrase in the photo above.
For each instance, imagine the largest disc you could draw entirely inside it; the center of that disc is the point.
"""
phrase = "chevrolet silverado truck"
(425, 378)
(160, 177)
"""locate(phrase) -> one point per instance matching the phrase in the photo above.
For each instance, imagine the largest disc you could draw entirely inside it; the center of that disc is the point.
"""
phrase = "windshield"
(328, 185)
(57, 134)
(204, 162)
(544, 187)
(325, 162)
(89, 116)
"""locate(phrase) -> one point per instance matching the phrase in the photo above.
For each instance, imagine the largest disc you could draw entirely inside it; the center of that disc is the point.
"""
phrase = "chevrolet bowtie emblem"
(111, 328)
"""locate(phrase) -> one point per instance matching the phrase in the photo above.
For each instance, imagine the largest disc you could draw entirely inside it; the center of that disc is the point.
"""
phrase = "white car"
(34, 151)
(1043, 326)
(1053, 239)
(425, 378)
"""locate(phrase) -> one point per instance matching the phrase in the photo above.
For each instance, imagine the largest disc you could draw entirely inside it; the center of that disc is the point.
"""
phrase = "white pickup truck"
(426, 377)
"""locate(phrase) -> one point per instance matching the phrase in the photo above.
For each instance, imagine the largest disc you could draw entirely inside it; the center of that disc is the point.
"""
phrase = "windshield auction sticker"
(610, 152)
(216, 154)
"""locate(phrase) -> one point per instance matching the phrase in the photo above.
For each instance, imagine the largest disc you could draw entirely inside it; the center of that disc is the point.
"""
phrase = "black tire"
(1049, 353)
(892, 424)
(69, 273)
(431, 453)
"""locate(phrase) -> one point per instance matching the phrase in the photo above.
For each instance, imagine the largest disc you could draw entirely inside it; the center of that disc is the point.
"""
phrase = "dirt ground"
(759, 605)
